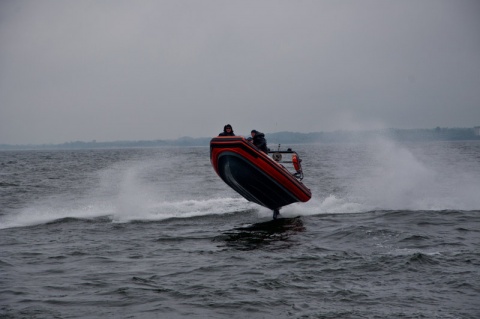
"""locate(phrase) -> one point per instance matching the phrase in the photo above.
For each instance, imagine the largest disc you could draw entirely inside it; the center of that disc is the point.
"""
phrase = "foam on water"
(317, 206)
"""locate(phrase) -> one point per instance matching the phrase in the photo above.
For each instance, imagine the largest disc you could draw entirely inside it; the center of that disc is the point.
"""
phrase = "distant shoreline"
(435, 134)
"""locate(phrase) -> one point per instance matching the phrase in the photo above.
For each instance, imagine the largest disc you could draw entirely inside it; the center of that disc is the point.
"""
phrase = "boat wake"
(46, 212)
(120, 210)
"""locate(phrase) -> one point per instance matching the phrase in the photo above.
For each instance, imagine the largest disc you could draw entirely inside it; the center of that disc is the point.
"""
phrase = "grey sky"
(128, 70)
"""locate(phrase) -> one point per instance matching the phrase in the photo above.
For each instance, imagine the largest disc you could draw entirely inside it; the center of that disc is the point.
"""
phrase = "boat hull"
(254, 175)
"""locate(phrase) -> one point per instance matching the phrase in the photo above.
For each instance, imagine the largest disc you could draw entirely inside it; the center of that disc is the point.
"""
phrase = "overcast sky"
(111, 70)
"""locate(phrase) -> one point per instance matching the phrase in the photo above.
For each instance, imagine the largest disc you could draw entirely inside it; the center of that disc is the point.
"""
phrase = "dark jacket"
(260, 141)
(225, 133)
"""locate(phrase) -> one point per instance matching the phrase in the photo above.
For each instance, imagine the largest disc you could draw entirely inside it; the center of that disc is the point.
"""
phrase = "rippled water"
(393, 231)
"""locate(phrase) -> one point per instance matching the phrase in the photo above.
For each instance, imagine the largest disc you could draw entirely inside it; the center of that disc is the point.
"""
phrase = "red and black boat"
(259, 177)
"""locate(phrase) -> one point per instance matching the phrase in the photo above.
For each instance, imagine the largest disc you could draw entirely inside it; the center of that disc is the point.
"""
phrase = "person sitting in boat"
(258, 139)
(227, 131)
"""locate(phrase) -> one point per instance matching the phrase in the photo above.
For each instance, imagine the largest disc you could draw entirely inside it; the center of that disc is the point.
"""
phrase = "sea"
(392, 231)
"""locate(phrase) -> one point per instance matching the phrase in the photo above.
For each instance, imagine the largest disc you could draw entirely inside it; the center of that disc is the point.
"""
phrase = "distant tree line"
(436, 134)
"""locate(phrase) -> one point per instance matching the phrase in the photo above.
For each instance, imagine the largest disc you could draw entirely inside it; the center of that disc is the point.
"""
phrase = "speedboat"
(272, 179)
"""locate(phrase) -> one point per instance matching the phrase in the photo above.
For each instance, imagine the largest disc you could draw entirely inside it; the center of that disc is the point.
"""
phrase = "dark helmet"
(254, 131)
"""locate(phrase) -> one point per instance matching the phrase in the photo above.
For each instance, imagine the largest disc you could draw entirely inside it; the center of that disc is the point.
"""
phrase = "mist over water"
(417, 177)
(347, 178)
(133, 190)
